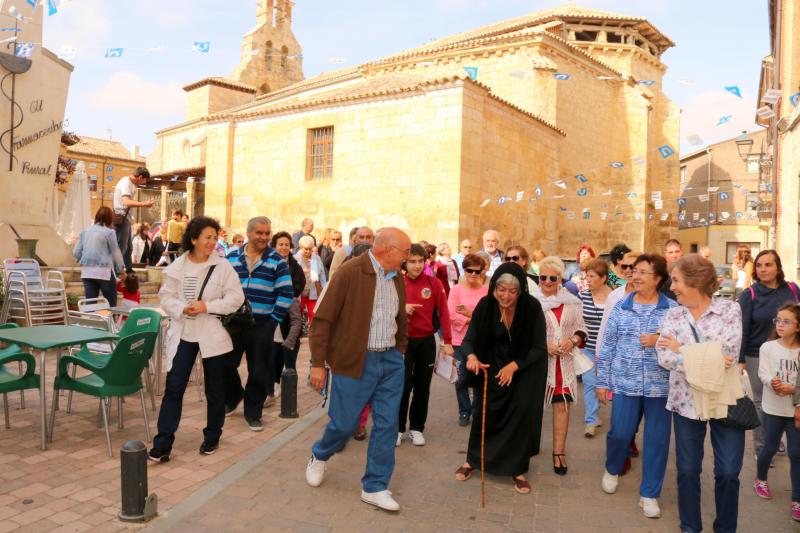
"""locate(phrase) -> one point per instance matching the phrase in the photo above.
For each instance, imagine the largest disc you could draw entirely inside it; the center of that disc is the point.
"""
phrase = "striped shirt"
(268, 286)
(592, 317)
(385, 306)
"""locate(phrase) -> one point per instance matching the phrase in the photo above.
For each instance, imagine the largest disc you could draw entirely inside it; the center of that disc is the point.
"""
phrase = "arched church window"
(268, 51)
(284, 56)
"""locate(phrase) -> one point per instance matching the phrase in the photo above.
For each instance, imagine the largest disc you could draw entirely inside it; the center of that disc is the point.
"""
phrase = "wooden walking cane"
(483, 439)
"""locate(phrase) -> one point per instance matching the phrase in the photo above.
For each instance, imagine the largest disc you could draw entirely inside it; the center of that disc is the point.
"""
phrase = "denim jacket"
(624, 366)
(97, 246)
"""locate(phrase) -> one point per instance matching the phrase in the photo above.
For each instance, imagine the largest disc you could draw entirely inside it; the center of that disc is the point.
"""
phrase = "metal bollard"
(289, 393)
(137, 505)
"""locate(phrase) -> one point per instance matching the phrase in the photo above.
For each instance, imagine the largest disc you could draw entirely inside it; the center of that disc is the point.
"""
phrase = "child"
(175, 230)
(777, 370)
(131, 297)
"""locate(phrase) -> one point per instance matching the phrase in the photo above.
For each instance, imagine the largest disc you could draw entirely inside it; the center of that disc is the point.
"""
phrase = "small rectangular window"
(320, 153)
(683, 174)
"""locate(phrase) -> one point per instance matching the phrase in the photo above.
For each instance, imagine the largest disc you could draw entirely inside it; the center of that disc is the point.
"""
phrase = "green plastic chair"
(119, 376)
(13, 349)
(10, 382)
(139, 321)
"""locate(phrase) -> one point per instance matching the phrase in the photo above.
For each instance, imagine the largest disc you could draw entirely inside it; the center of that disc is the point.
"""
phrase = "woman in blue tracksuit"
(628, 367)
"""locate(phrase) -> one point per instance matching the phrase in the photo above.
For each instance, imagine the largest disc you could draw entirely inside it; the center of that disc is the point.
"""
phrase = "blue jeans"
(125, 243)
(728, 445)
(108, 287)
(591, 405)
(774, 426)
(625, 415)
(462, 390)
(380, 385)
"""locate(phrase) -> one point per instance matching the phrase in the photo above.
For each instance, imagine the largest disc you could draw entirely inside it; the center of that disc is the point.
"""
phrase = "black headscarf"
(487, 315)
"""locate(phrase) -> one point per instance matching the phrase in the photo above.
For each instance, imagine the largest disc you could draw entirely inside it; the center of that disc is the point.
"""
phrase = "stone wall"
(505, 151)
(396, 162)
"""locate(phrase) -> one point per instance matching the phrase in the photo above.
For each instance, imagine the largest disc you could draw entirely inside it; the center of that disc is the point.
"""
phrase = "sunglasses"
(512, 258)
(551, 279)
(626, 267)
(472, 271)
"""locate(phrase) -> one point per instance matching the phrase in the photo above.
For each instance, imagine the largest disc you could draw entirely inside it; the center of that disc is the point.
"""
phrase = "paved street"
(273, 496)
(75, 486)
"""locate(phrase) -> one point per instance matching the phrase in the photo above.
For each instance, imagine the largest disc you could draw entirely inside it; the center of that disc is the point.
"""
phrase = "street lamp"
(744, 144)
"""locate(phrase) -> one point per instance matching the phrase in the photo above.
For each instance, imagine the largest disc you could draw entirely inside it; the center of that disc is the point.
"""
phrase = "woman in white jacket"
(195, 328)
(315, 275)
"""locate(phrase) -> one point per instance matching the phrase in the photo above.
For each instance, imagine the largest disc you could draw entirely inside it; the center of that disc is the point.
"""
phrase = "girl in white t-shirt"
(777, 370)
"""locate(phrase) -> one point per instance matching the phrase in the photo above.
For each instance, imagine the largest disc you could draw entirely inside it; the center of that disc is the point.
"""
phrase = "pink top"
(469, 298)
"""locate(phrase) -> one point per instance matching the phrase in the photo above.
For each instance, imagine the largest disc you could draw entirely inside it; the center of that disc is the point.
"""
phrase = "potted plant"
(72, 301)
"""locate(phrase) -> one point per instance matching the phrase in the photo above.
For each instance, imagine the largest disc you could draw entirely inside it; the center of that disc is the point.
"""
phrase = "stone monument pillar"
(30, 135)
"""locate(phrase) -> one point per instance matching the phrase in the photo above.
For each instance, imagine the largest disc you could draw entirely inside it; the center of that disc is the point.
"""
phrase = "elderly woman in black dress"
(507, 337)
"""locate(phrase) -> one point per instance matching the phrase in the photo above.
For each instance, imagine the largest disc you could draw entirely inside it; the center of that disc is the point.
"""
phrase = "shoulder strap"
(793, 287)
(694, 330)
(753, 294)
(205, 282)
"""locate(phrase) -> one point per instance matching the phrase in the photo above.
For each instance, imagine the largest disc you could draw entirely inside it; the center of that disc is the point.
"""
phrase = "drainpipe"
(708, 186)
(776, 84)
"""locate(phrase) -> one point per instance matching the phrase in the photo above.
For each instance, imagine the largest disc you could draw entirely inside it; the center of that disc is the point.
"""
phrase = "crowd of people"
(643, 332)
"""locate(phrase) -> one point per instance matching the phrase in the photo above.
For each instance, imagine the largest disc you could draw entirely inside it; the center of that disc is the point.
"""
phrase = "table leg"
(43, 398)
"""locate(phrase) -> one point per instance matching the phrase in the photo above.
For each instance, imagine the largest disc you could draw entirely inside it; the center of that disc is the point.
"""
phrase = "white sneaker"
(382, 499)
(609, 482)
(315, 471)
(417, 439)
(650, 507)
(399, 439)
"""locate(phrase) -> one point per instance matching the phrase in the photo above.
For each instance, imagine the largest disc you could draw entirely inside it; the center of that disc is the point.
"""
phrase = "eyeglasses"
(642, 272)
(626, 267)
(551, 279)
(473, 271)
(510, 258)
(783, 322)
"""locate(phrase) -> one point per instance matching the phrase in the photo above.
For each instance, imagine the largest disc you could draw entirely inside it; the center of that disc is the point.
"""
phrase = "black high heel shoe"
(561, 468)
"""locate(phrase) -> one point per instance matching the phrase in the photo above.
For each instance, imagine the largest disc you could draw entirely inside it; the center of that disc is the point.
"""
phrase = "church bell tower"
(271, 56)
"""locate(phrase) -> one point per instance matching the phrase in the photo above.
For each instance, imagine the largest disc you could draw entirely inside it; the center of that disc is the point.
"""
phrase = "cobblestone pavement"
(75, 486)
(273, 496)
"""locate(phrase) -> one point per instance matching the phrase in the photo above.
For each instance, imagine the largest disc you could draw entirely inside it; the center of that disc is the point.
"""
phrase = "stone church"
(551, 128)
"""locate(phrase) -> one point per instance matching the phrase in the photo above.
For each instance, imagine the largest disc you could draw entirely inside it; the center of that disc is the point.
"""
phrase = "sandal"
(464, 473)
(521, 485)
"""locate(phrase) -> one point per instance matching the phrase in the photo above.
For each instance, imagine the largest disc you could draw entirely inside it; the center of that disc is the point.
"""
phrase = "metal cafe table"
(51, 337)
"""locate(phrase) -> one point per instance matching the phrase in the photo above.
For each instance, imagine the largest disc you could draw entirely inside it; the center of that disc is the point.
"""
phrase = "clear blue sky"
(719, 43)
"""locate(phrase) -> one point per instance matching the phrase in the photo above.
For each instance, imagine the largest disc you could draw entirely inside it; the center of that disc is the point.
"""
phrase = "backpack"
(792, 286)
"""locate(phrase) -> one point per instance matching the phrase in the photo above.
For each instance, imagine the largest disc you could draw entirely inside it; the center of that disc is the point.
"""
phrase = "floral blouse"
(722, 321)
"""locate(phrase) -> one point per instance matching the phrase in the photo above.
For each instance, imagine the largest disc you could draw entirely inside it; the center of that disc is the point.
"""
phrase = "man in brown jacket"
(360, 330)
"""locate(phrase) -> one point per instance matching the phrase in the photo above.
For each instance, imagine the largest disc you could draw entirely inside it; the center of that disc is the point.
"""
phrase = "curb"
(203, 495)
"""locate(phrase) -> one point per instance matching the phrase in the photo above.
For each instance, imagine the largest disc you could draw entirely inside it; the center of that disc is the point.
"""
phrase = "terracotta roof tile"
(102, 148)
(378, 87)
(221, 82)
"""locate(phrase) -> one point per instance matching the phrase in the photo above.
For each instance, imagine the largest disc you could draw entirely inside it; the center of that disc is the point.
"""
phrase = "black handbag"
(743, 415)
(237, 322)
